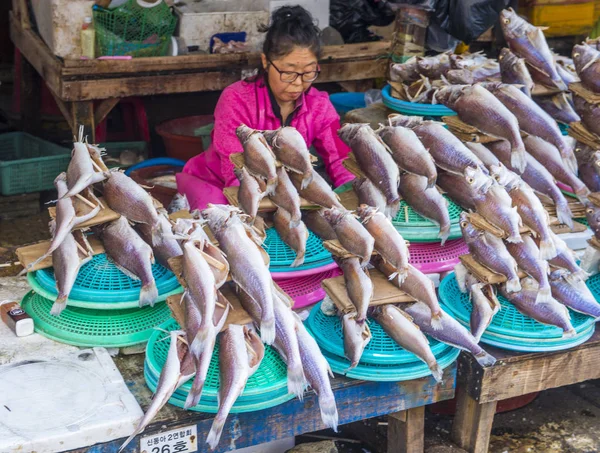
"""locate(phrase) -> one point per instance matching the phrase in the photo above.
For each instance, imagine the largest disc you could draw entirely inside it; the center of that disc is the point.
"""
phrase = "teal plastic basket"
(101, 285)
(268, 383)
(583, 220)
(413, 227)
(88, 328)
(414, 108)
(381, 350)
(282, 256)
(564, 128)
(29, 164)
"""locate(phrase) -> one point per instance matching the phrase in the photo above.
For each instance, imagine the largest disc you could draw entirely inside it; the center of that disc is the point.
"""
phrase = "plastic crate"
(414, 108)
(114, 149)
(29, 164)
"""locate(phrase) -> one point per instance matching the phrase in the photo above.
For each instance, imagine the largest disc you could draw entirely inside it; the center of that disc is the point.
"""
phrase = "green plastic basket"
(381, 350)
(267, 383)
(134, 30)
(282, 256)
(413, 227)
(29, 164)
(88, 328)
(101, 285)
(583, 220)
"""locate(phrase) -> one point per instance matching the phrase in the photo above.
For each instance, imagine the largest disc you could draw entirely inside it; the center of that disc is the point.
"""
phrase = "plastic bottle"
(88, 39)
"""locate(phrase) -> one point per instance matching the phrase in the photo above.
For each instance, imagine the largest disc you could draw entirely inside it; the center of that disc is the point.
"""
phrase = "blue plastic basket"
(282, 256)
(101, 285)
(381, 350)
(344, 102)
(414, 108)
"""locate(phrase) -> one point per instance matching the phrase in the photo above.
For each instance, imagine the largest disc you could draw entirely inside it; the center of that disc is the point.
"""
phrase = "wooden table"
(87, 90)
(404, 402)
(514, 374)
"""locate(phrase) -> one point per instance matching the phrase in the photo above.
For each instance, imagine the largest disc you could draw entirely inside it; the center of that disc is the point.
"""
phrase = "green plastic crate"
(29, 164)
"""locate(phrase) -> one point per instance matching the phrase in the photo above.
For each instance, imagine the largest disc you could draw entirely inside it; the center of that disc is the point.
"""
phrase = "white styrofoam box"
(199, 21)
(319, 9)
(577, 241)
(79, 399)
(59, 23)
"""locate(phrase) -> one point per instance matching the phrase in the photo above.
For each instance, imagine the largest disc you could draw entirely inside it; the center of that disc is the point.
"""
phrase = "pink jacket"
(249, 103)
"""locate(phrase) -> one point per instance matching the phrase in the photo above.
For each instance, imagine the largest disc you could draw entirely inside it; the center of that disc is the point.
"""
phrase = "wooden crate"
(562, 18)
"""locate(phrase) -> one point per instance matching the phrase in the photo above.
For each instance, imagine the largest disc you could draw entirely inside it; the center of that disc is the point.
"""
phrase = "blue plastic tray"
(282, 256)
(413, 108)
(344, 102)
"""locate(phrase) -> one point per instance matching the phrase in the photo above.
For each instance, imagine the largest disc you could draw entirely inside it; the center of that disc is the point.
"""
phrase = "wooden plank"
(472, 424)
(482, 273)
(406, 431)
(82, 114)
(31, 96)
(104, 109)
(579, 132)
(29, 253)
(265, 205)
(579, 89)
(65, 110)
(562, 229)
(105, 215)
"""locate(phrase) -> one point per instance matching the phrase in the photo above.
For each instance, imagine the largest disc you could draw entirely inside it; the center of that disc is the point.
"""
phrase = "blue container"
(414, 108)
(344, 102)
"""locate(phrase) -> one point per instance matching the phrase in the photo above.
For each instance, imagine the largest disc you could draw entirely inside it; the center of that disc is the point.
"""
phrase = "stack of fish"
(240, 257)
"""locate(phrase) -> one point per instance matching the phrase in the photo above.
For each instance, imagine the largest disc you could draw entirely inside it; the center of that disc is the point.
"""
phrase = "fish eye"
(577, 150)
(506, 21)
(463, 224)
(590, 211)
(576, 54)
(470, 180)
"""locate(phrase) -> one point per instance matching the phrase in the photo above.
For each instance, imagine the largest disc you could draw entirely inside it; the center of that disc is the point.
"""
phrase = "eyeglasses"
(291, 76)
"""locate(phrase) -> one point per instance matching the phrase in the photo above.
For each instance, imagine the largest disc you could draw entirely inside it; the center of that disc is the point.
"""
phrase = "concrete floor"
(564, 420)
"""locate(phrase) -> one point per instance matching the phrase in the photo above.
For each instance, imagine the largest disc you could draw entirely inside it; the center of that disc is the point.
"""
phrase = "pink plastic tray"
(307, 290)
(564, 187)
(431, 258)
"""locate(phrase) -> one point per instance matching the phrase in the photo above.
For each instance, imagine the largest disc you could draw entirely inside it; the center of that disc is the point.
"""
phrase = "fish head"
(349, 131)
(426, 64)
(448, 95)
(334, 215)
(558, 274)
(506, 56)
(240, 173)
(511, 23)
(460, 76)
(356, 336)
(244, 133)
(469, 232)
(217, 215)
(503, 176)
(366, 212)
(583, 55)
(477, 179)
(592, 214)
(396, 119)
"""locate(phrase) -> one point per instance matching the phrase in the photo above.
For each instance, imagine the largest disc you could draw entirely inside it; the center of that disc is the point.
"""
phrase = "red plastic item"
(448, 407)
(161, 193)
(178, 136)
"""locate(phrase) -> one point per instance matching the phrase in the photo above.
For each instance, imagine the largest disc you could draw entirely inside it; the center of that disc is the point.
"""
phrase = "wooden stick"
(86, 201)
(95, 164)
(16, 263)
(82, 249)
(212, 261)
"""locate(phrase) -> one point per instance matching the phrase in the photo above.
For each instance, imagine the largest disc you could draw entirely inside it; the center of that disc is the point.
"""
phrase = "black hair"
(290, 26)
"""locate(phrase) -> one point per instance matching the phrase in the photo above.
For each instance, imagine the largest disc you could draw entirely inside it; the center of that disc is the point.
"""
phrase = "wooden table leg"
(472, 423)
(30, 98)
(83, 115)
(406, 431)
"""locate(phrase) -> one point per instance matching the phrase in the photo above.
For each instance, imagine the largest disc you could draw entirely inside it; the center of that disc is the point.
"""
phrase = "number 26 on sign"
(180, 440)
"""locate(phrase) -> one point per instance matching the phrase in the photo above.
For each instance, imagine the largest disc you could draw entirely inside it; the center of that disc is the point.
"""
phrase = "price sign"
(180, 440)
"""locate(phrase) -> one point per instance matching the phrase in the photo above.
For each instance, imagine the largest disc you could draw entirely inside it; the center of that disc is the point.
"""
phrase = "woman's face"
(300, 59)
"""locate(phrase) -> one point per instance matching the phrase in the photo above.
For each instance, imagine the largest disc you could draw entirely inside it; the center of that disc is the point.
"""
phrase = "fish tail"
(513, 285)
(271, 185)
(296, 382)
(436, 321)
(484, 359)
(329, 413)
(295, 223)
(129, 439)
(563, 212)
(514, 238)
(199, 342)
(460, 273)
(195, 393)
(436, 371)
(577, 277)
(547, 249)
(148, 294)
(267, 331)
(444, 233)
(59, 305)
(570, 333)
(543, 295)
(158, 233)
(306, 180)
(431, 181)
(518, 159)
(215, 433)
(299, 259)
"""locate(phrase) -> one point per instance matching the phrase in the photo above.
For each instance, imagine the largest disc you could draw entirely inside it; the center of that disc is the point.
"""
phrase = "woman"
(281, 95)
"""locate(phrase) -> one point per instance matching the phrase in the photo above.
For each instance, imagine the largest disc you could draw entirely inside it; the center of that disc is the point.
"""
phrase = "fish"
(514, 70)
(428, 203)
(66, 219)
(353, 236)
(491, 252)
(590, 261)
(592, 215)
(259, 158)
(589, 113)
(178, 203)
(250, 193)
(316, 370)
(494, 204)
(294, 236)
(317, 191)
(80, 172)
(286, 197)
(291, 150)
(485, 306)
(566, 259)
(447, 151)
(126, 197)
(551, 312)
(574, 294)
(408, 152)
(481, 109)
(400, 327)
(356, 337)
(586, 60)
(389, 244)
(247, 266)
(528, 42)
(166, 246)
(566, 75)
(369, 194)
(373, 158)
(131, 255)
(359, 285)
(410, 121)
(558, 107)
(316, 223)
(460, 77)
(589, 176)
(435, 66)
(451, 332)
(547, 154)
(66, 264)
(487, 158)
(406, 72)
(167, 384)
(532, 119)
(457, 189)
(469, 60)
(527, 256)
(538, 178)
(286, 341)
(237, 361)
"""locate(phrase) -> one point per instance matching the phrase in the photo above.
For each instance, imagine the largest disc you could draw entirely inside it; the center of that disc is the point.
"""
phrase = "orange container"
(179, 136)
